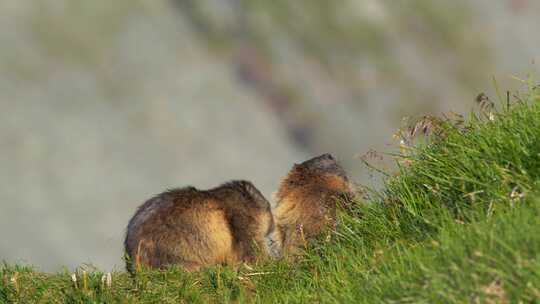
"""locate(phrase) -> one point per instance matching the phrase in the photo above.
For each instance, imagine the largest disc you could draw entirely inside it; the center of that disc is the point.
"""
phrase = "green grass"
(458, 223)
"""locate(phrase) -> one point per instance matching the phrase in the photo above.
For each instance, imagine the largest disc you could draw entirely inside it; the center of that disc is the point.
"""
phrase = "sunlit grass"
(457, 224)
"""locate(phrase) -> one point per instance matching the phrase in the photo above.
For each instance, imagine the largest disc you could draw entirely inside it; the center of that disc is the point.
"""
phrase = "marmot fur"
(307, 199)
(193, 228)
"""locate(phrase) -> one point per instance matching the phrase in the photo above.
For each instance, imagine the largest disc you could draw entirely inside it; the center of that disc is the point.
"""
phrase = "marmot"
(306, 201)
(193, 228)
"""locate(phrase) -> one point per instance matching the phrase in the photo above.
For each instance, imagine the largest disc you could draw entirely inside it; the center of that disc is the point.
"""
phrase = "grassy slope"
(459, 223)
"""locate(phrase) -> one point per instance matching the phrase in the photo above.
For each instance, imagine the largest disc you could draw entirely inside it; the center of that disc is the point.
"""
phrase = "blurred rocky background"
(105, 103)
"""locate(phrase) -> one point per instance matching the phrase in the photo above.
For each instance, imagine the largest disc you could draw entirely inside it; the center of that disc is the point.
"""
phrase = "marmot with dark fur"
(193, 228)
(307, 198)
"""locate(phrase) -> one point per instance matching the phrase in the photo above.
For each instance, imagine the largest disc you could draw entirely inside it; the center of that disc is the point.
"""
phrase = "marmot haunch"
(194, 228)
(306, 201)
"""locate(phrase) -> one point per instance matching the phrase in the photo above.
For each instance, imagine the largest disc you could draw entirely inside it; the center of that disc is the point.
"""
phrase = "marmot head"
(323, 170)
(323, 164)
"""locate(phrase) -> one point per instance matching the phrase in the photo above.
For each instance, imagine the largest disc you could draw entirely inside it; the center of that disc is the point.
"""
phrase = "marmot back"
(193, 228)
(306, 200)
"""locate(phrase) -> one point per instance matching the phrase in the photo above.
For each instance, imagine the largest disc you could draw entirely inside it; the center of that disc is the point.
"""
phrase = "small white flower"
(74, 279)
(516, 194)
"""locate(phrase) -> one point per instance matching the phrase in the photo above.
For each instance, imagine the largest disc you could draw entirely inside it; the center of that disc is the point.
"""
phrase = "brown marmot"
(193, 228)
(306, 201)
